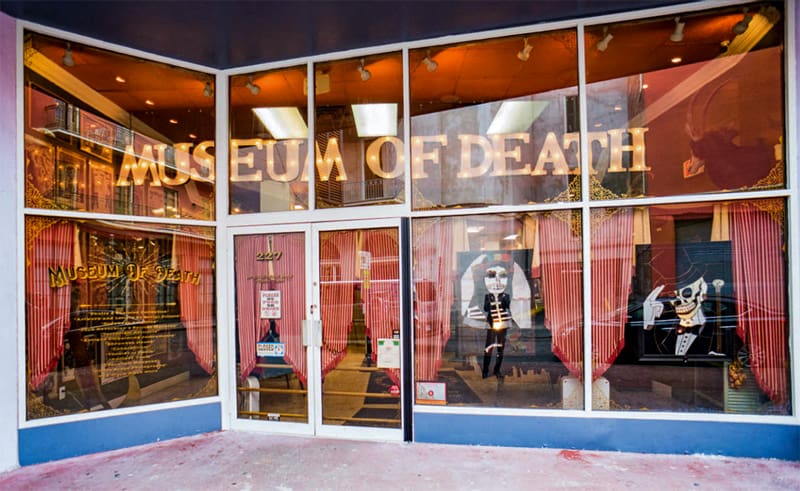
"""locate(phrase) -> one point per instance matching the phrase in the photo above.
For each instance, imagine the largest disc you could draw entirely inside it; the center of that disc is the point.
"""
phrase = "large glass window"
(689, 309)
(495, 122)
(109, 133)
(269, 141)
(359, 158)
(687, 104)
(497, 309)
(118, 315)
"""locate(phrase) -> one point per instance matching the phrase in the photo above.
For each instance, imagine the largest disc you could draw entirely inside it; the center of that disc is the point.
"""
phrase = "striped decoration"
(760, 285)
(47, 309)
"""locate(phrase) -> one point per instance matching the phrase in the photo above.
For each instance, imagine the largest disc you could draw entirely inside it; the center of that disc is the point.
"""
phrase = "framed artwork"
(101, 187)
(70, 179)
(40, 169)
(97, 136)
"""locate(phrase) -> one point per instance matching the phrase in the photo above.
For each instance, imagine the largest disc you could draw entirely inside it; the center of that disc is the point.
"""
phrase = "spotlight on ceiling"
(252, 87)
(365, 74)
(677, 34)
(430, 64)
(207, 90)
(602, 45)
(525, 52)
(741, 26)
(67, 60)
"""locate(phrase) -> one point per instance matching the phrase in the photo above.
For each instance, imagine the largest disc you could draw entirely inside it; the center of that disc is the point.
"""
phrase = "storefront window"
(687, 104)
(108, 133)
(117, 314)
(689, 309)
(359, 157)
(497, 310)
(269, 141)
(495, 122)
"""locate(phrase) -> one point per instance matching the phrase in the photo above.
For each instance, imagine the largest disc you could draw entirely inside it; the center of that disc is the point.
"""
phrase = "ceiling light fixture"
(515, 117)
(208, 91)
(149, 102)
(67, 60)
(741, 26)
(525, 52)
(365, 74)
(173, 121)
(602, 45)
(677, 34)
(429, 63)
(676, 59)
(252, 87)
(284, 123)
(120, 79)
(373, 120)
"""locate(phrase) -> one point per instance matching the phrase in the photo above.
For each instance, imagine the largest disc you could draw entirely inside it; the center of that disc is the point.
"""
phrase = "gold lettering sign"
(253, 159)
(60, 276)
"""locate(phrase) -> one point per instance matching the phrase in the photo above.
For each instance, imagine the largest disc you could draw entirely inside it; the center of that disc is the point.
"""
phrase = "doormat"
(458, 392)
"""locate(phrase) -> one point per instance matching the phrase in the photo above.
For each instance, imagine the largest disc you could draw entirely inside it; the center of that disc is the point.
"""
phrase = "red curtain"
(758, 275)
(433, 296)
(338, 279)
(381, 294)
(561, 282)
(612, 256)
(286, 274)
(195, 256)
(48, 244)
(612, 267)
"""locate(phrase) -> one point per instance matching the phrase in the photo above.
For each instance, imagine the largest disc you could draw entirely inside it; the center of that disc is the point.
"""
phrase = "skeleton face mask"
(688, 303)
(496, 279)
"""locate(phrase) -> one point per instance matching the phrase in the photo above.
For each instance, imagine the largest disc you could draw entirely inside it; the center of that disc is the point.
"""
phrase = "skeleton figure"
(496, 305)
(688, 303)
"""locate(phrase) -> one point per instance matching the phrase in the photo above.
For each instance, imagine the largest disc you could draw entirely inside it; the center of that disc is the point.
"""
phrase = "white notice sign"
(388, 353)
(270, 349)
(270, 304)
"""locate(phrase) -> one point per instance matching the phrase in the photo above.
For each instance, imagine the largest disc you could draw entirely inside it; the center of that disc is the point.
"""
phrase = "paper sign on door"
(270, 304)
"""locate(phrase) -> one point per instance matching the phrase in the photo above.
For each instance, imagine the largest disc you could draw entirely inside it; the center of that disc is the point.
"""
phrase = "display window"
(689, 308)
(683, 121)
(495, 122)
(118, 315)
(358, 132)
(498, 310)
(113, 134)
(269, 141)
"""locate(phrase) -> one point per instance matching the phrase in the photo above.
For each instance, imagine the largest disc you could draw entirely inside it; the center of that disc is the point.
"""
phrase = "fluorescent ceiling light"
(474, 229)
(516, 117)
(285, 123)
(375, 119)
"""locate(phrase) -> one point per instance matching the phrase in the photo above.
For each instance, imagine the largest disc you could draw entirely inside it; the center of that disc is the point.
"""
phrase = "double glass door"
(318, 332)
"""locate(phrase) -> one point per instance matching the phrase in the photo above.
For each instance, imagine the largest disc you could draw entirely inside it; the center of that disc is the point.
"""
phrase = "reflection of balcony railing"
(348, 193)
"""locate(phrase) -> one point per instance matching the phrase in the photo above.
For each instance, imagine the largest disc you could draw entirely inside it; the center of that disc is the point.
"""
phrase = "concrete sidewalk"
(248, 461)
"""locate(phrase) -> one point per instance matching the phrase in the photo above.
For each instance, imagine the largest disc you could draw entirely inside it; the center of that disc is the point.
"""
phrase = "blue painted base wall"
(61, 441)
(647, 436)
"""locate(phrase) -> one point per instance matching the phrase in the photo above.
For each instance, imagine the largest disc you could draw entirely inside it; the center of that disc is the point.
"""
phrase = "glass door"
(273, 377)
(318, 332)
(357, 304)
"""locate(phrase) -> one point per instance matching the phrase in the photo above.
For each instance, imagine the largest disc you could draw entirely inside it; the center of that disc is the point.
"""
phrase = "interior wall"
(8, 254)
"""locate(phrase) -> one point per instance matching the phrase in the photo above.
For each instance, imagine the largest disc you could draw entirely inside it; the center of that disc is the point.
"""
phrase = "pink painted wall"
(9, 218)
